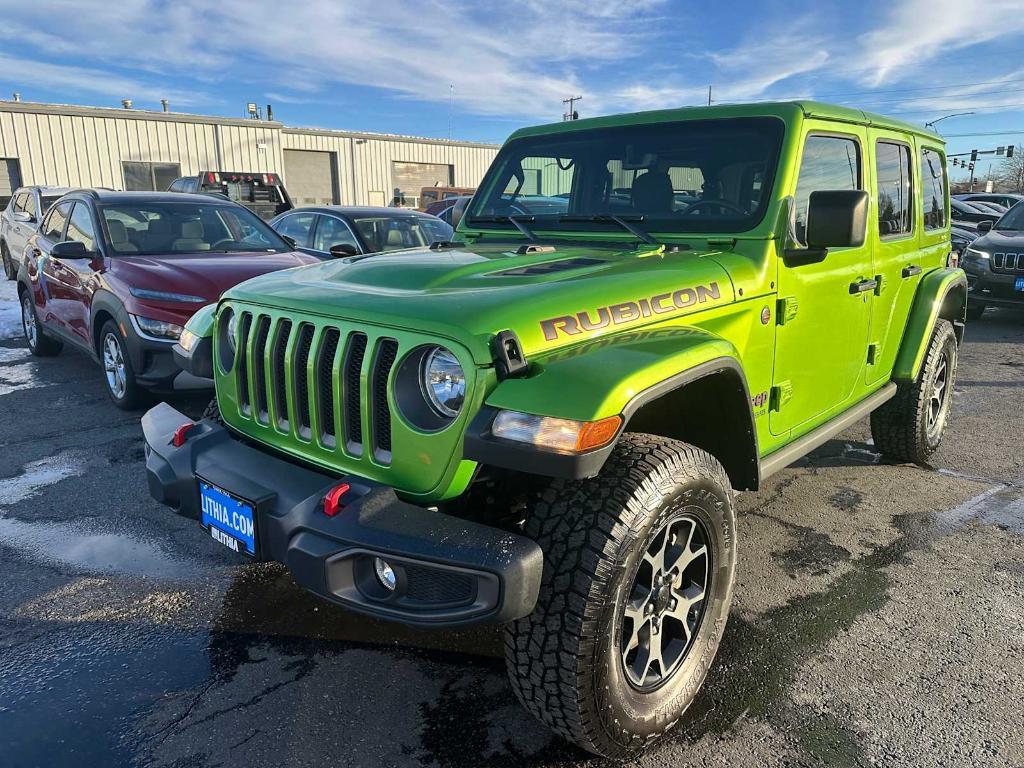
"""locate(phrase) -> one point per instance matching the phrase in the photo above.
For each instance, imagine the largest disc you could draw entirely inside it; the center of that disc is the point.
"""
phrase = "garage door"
(311, 177)
(10, 180)
(410, 178)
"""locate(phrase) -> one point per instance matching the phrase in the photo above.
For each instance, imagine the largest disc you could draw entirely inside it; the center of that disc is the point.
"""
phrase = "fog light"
(385, 574)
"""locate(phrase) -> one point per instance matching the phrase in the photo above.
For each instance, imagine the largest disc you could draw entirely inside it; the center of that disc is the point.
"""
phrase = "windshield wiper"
(515, 221)
(624, 222)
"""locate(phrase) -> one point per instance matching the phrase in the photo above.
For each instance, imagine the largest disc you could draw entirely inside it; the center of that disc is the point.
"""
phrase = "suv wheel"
(909, 427)
(8, 264)
(39, 344)
(117, 368)
(639, 565)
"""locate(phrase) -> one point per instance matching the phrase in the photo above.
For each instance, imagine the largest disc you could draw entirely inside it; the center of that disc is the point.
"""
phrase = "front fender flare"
(930, 302)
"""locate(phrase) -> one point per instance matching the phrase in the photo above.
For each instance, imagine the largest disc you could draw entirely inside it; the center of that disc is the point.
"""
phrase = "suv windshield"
(171, 227)
(1013, 219)
(687, 176)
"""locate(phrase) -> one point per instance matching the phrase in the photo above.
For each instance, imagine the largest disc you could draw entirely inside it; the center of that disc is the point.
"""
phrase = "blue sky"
(482, 69)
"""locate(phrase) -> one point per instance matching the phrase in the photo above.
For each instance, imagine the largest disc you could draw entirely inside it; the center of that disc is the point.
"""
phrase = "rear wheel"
(638, 573)
(909, 427)
(117, 369)
(5, 255)
(39, 344)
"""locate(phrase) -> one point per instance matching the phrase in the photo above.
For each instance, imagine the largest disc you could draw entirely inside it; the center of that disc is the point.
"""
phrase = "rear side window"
(892, 165)
(53, 227)
(933, 188)
(80, 227)
(331, 232)
(298, 227)
(829, 163)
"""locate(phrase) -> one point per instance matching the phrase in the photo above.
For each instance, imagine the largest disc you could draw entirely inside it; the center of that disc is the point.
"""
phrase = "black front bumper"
(991, 288)
(451, 572)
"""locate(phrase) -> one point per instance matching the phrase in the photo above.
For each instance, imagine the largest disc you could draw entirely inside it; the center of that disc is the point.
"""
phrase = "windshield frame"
(549, 224)
(242, 212)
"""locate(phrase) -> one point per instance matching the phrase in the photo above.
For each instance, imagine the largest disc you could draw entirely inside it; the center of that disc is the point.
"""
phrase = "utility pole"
(571, 113)
(709, 95)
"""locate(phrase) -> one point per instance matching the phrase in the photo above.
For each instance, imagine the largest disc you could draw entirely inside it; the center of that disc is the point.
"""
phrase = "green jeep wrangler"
(544, 423)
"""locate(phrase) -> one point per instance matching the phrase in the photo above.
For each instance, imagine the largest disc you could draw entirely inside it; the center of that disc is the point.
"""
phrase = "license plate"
(229, 519)
(1018, 284)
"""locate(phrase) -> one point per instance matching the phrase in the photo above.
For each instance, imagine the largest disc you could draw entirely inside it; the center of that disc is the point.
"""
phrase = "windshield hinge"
(440, 245)
(725, 243)
(509, 360)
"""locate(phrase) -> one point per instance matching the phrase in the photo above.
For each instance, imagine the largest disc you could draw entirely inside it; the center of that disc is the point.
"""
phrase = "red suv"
(119, 273)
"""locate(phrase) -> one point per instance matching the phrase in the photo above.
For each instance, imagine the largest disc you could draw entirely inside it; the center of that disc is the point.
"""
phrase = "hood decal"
(628, 311)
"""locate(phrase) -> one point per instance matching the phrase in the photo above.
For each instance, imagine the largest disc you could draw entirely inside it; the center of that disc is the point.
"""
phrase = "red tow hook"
(181, 434)
(332, 500)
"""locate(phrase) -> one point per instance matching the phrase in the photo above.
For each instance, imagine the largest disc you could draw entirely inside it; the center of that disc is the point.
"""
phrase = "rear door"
(54, 298)
(18, 232)
(299, 227)
(822, 337)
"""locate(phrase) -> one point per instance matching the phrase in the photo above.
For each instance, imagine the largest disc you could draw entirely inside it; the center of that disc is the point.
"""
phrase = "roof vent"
(126, 103)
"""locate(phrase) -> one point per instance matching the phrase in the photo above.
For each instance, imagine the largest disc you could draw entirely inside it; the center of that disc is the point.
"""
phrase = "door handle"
(912, 270)
(863, 286)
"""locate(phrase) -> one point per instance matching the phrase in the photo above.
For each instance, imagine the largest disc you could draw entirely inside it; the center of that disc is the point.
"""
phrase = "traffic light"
(1000, 150)
(974, 155)
(970, 167)
(1009, 152)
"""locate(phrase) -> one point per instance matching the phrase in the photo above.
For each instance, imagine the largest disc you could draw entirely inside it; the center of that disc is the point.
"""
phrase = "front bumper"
(452, 572)
(993, 289)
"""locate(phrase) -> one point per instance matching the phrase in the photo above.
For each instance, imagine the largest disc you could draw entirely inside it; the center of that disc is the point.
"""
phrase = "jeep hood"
(469, 294)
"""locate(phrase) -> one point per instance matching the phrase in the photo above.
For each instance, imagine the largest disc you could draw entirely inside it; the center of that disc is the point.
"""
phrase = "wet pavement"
(878, 615)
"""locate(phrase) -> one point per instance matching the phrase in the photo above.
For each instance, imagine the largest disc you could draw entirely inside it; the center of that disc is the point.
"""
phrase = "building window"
(149, 177)
(409, 180)
(933, 188)
(892, 169)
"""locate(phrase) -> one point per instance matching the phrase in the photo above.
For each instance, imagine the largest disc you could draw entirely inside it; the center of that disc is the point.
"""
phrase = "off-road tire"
(563, 660)
(40, 344)
(5, 255)
(133, 396)
(901, 428)
(975, 309)
(212, 411)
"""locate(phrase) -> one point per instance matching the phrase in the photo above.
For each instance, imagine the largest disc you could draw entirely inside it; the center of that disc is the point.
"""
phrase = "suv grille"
(306, 381)
(1008, 262)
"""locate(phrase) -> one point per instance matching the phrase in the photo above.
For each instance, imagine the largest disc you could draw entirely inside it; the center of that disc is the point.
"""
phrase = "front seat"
(158, 235)
(192, 237)
(119, 237)
(395, 239)
(653, 193)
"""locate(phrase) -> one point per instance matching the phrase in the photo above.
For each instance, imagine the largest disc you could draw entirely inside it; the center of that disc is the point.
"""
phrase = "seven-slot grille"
(1008, 262)
(308, 381)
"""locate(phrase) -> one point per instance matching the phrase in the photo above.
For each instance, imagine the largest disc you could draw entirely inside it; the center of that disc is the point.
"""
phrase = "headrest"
(652, 192)
(159, 227)
(395, 237)
(118, 231)
(192, 229)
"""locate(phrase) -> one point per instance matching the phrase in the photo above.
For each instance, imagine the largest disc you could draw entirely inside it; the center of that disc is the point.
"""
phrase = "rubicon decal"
(628, 311)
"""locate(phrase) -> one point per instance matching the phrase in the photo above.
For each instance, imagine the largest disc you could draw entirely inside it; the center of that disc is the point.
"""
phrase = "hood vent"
(548, 268)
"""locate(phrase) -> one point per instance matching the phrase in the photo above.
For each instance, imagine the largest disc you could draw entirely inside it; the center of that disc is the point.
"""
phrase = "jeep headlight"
(227, 337)
(232, 324)
(976, 253)
(443, 382)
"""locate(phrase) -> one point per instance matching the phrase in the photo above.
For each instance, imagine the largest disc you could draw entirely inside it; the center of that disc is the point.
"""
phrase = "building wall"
(85, 146)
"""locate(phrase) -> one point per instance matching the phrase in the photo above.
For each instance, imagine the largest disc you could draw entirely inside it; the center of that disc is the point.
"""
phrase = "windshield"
(147, 228)
(689, 176)
(392, 233)
(1013, 219)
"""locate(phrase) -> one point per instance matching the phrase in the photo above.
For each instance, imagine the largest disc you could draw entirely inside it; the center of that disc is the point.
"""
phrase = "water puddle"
(36, 475)
(17, 377)
(13, 354)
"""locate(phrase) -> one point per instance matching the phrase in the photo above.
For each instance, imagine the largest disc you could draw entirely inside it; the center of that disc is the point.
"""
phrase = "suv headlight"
(443, 382)
(232, 337)
(158, 329)
(976, 253)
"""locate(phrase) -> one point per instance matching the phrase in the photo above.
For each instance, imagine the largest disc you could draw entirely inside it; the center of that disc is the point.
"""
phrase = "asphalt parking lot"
(877, 620)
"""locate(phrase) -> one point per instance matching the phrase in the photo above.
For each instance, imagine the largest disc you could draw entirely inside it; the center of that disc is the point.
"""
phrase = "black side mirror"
(290, 240)
(837, 219)
(71, 249)
(984, 226)
(341, 250)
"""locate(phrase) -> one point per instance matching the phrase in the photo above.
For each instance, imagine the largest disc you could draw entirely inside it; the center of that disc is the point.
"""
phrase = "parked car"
(994, 263)
(543, 425)
(337, 230)
(262, 193)
(960, 238)
(117, 274)
(986, 206)
(965, 213)
(444, 209)
(1006, 199)
(431, 195)
(19, 221)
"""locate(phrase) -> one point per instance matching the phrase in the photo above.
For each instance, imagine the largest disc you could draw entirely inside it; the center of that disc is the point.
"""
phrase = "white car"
(19, 220)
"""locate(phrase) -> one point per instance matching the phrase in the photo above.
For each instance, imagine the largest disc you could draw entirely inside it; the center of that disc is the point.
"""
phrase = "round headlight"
(232, 330)
(444, 382)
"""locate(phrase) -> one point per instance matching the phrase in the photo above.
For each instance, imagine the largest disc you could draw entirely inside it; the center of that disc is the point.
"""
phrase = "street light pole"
(932, 123)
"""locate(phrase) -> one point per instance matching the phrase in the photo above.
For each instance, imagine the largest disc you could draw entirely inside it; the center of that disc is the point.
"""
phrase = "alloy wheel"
(114, 367)
(938, 399)
(28, 320)
(665, 604)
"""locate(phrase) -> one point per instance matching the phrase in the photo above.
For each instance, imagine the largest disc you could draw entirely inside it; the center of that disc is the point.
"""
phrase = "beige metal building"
(63, 145)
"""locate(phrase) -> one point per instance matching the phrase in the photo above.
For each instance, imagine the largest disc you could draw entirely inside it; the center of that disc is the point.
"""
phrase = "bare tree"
(1011, 171)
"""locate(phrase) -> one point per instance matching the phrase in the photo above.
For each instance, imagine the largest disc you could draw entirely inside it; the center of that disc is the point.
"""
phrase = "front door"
(821, 344)
(79, 275)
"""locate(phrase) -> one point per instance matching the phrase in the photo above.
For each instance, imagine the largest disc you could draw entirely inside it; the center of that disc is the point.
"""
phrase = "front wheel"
(117, 369)
(909, 427)
(639, 565)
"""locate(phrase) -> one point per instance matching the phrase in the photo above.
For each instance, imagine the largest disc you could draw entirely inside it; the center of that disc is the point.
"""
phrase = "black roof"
(360, 210)
(114, 197)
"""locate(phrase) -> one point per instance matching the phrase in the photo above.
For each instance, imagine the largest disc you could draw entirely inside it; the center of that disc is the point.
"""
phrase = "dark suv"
(994, 264)
(118, 274)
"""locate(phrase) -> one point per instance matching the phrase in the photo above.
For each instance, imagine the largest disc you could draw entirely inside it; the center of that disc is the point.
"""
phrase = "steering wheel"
(716, 203)
(222, 241)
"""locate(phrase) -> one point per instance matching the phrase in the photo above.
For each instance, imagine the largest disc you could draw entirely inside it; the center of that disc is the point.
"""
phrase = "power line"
(1007, 132)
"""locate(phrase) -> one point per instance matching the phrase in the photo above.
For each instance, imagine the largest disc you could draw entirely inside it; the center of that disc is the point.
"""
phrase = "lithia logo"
(628, 311)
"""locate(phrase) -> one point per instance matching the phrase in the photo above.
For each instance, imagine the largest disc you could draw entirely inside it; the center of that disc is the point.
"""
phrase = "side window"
(829, 163)
(29, 206)
(892, 169)
(298, 227)
(331, 232)
(933, 188)
(53, 226)
(177, 186)
(18, 202)
(80, 227)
